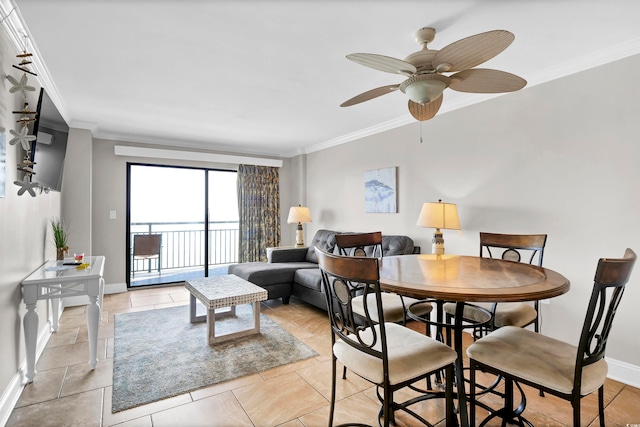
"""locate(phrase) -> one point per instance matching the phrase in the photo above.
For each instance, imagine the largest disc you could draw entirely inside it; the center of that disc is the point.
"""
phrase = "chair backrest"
(612, 274)
(341, 275)
(360, 244)
(147, 244)
(513, 246)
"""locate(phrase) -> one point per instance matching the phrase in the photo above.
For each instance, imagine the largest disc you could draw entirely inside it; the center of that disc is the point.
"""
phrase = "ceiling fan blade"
(425, 112)
(471, 51)
(383, 63)
(482, 80)
(370, 94)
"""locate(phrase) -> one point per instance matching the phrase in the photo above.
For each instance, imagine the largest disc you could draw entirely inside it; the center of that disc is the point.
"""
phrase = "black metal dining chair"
(550, 365)
(370, 245)
(386, 354)
(511, 247)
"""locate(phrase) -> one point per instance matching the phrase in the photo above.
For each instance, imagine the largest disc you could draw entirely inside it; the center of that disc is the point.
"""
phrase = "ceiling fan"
(428, 71)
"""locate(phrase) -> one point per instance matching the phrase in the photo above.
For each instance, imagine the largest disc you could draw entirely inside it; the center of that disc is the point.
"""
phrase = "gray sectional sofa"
(294, 271)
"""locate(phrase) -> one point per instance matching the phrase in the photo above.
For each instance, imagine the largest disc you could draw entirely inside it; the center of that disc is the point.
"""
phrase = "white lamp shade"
(439, 215)
(299, 214)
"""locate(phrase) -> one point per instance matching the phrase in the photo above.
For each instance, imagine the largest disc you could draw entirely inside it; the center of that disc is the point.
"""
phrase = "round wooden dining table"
(463, 279)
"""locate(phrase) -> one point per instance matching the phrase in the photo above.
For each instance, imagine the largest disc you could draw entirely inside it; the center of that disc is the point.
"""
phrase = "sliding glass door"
(182, 223)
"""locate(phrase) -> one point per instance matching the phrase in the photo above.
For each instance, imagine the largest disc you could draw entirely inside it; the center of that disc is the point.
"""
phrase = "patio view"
(201, 200)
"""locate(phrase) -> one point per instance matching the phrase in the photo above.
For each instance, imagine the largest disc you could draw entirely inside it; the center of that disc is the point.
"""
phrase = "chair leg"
(472, 394)
(448, 330)
(344, 373)
(576, 415)
(508, 399)
(332, 404)
(387, 406)
(601, 405)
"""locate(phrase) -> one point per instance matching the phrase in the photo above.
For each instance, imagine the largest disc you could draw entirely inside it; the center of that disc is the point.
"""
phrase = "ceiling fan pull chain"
(420, 124)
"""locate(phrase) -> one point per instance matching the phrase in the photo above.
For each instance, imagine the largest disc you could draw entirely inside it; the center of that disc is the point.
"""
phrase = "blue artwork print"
(380, 190)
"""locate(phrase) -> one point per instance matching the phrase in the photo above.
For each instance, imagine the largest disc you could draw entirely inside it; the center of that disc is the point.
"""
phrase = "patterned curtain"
(259, 211)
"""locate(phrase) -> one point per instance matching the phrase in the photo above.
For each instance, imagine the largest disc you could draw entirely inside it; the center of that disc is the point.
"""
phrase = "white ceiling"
(267, 77)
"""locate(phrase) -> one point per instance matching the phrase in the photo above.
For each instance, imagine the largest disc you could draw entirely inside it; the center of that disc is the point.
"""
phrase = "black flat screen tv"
(50, 147)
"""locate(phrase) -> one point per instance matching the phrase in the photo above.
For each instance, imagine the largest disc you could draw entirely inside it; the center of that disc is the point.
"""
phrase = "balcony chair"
(512, 248)
(147, 247)
(386, 354)
(563, 370)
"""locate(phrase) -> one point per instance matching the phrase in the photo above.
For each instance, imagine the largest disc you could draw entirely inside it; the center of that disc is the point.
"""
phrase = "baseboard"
(624, 372)
(113, 288)
(10, 397)
(16, 385)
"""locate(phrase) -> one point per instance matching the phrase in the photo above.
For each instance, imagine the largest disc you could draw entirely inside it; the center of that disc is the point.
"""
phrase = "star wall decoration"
(22, 137)
(26, 186)
(27, 117)
(20, 86)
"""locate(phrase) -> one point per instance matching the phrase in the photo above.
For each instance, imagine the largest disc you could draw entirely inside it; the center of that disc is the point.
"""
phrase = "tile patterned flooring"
(66, 393)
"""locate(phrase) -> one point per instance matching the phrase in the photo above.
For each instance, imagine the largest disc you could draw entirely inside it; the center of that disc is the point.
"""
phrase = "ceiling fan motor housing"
(424, 88)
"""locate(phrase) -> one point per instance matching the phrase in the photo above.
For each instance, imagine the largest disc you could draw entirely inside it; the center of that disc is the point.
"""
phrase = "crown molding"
(16, 29)
(372, 130)
(80, 124)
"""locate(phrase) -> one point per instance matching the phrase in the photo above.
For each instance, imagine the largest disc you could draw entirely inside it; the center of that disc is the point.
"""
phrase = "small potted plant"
(60, 238)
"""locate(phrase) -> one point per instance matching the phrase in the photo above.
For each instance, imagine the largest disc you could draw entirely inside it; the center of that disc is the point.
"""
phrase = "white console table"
(53, 281)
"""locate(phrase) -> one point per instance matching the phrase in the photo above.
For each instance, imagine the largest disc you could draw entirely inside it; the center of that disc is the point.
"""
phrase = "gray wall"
(109, 193)
(25, 232)
(557, 158)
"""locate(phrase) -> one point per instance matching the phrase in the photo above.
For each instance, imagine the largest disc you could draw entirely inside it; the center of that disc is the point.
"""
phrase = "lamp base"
(299, 240)
(437, 243)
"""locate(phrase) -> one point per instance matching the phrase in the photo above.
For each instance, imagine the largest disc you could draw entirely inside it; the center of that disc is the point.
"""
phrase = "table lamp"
(299, 214)
(439, 215)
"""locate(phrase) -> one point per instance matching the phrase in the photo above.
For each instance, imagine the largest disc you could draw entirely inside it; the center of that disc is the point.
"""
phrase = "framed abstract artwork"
(380, 192)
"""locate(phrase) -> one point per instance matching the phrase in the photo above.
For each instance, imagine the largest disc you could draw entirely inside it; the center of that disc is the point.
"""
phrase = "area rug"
(160, 354)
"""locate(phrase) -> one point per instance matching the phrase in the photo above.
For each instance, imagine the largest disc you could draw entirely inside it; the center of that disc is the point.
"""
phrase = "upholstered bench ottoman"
(275, 278)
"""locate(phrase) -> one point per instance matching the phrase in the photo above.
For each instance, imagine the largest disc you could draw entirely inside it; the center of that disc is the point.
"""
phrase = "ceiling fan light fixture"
(425, 81)
(424, 88)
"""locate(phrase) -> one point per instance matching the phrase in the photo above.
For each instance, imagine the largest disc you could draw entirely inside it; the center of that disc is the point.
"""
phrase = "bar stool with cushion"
(510, 247)
(386, 354)
(561, 369)
(393, 305)
(370, 245)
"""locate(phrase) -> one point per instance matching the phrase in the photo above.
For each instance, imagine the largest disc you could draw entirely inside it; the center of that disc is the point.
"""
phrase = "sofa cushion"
(309, 278)
(397, 245)
(391, 245)
(265, 274)
(325, 240)
(286, 254)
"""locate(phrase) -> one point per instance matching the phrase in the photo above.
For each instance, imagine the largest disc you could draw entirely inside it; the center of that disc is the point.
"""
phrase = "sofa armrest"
(276, 255)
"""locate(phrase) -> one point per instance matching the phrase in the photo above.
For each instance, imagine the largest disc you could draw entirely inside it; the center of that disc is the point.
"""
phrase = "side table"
(53, 281)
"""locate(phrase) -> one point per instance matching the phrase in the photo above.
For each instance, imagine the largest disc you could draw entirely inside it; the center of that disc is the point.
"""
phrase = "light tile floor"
(66, 393)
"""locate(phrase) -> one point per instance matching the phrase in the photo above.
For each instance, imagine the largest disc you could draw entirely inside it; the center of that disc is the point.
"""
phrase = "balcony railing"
(183, 244)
